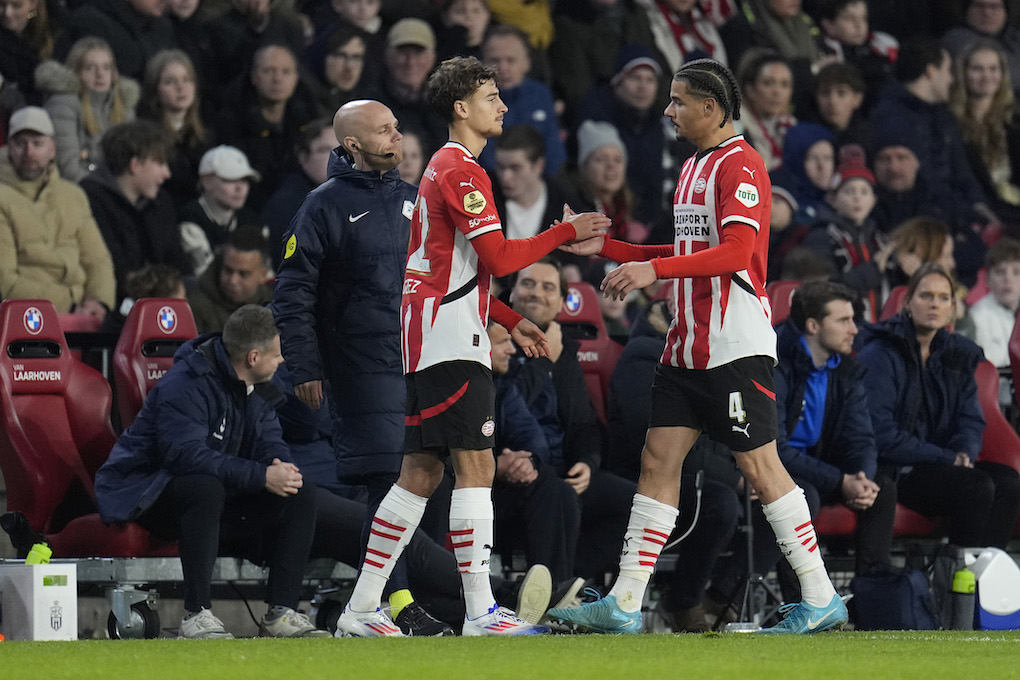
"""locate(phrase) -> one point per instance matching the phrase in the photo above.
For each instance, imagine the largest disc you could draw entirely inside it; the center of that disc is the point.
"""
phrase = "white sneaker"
(202, 626)
(500, 621)
(365, 624)
(534, 594)
(290, 624)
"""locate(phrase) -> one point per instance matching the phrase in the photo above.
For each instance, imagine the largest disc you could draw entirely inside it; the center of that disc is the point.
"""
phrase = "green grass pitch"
(858, 656)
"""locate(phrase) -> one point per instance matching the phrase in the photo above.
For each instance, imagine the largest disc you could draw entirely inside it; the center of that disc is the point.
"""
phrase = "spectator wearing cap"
(900, 189)
(849, 242)
(136, 216)
(918, 104)
(530, 102)
(409, 58)
(50, 246)
(224, 178)
(236, 277)
(631, 103)
(269, 108)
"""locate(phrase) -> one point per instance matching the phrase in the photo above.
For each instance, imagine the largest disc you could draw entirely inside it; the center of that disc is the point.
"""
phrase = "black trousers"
(605, 510)
(719, 511)
(980, 503)
(872, 540)
(208, 520)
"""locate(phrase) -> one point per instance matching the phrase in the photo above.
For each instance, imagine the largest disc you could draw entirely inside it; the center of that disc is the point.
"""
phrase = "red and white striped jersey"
(445, 303)
(721, 318)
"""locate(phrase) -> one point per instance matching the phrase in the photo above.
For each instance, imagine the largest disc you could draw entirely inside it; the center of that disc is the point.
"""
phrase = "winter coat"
(558, 398)
(921, 414)
(133, 36)
(79, 151)
(516, 427)
(847, 441)
(50, 247)
(208, 305)
(936, 139)
(280, 209)
(135, 235)
(269, 147)
(196, 420)
(337, 305)
(848, 250)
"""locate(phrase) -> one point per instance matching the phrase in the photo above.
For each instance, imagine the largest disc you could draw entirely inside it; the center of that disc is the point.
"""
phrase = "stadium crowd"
(157, 148)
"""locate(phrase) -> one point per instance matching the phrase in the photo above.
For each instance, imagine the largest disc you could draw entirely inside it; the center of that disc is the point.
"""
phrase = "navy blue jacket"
(196, 420)
(847, 441)
(517, 428)
(337, 305)
(922, 414)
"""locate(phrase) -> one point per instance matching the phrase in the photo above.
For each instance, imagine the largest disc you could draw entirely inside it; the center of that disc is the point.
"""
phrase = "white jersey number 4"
(737, 412)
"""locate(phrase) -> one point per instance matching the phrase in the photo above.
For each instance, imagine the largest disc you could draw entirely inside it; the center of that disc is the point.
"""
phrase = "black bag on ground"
(893, 600)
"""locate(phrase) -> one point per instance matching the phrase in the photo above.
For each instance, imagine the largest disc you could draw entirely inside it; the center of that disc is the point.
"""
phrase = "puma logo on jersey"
(469, 183)
(743, 430)
(748, 171)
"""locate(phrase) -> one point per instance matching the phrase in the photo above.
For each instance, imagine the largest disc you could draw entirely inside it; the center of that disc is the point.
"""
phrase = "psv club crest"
(33, 320)
(167, 319)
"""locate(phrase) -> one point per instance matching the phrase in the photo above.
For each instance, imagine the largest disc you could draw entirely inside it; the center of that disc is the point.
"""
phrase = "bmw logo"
(167, 319)
(574, 301)
(33, 320)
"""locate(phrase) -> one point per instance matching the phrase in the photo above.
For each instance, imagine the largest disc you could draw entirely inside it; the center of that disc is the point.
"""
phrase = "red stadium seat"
(581, 319)
(780, 295)
(56, 432)
(79, 323)
(999, 442)
(154, 329)
(893, 303)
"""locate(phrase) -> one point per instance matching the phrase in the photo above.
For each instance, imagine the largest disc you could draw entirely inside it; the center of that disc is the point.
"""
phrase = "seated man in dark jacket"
(204, 462)
(553, 387)
(928, 422)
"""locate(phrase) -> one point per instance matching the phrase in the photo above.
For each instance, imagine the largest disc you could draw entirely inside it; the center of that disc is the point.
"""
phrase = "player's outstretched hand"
(587, 225)
(592, 246)
(530, 339)
(628, 277)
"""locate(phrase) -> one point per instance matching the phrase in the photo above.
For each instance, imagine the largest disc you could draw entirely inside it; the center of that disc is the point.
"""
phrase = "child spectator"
(839, 94)
(990, 320)
(225, 178)
(847, 36)
(849, 241)
(87, 98)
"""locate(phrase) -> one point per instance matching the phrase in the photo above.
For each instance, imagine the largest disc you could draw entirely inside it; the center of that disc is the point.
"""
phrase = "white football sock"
(471, 536)
(648, 529)
(795, 534)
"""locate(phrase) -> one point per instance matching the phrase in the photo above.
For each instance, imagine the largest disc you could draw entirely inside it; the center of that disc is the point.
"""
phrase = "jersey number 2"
(419, 260)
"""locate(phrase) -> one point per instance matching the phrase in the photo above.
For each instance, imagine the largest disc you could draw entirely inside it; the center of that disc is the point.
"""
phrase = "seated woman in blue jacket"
(927, 420)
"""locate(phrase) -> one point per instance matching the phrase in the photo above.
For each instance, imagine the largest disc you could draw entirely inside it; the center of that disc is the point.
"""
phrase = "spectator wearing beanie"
(631, 102)
(849, 241)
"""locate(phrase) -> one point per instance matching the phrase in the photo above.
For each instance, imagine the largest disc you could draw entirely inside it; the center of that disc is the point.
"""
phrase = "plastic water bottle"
(39, 554)
(964, 586)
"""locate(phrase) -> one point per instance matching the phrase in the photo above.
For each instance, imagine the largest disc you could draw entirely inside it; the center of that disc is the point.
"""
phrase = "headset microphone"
(375, 155)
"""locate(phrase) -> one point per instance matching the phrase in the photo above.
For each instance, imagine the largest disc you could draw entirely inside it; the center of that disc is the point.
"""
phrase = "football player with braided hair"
(715, 374)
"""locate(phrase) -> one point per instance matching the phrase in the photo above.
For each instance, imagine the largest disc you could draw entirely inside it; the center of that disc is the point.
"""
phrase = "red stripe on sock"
(807, 540)
(656, 533)
(805, 524)
(388, 525)
(379, 553)
(647, 553)
(375, 564)
(655, 540)
(465, 544)
(813, 548)
(464, 564)
(462, 532)
(389, 536)
(647, 564)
